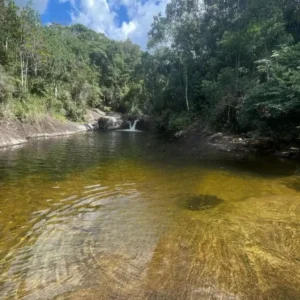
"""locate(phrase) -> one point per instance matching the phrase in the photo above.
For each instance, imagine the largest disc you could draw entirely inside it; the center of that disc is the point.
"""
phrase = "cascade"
(132, 127)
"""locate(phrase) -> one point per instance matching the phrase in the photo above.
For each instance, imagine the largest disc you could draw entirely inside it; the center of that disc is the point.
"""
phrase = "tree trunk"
(186, 91)
(22, 68)
(35, 67)
(26, 75)
(55, 91)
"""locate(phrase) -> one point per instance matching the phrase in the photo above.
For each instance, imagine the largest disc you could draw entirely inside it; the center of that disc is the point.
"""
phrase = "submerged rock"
(202, 202)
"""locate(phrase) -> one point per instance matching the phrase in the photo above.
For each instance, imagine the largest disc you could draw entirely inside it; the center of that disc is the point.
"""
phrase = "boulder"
(99, 112)
(111, 121)
(179, 134)
(92, 116)
(98, 119)
(292, 152)
(282, 154)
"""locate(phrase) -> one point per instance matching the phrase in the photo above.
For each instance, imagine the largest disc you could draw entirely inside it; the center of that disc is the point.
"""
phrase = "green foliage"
(6, 86)
(69, 68)
(179, 121)
(29, 108)
(234, 64)
(275, 100)
(170, 122)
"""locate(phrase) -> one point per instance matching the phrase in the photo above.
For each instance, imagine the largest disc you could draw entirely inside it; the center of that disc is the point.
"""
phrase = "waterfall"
(133, 126)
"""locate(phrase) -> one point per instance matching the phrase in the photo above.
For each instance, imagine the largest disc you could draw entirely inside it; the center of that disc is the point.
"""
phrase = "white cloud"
(101, 16)
(143, 15)
(39, 5)
(128, 28)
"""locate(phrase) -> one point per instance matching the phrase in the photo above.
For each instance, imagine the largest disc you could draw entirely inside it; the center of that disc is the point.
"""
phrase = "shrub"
(29, 108)
(6, 86)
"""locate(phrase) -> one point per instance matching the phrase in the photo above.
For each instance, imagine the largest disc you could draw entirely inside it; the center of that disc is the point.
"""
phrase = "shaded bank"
(197, 139)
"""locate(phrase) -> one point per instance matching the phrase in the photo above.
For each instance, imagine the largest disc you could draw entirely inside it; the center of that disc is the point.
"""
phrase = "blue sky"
(118, 19)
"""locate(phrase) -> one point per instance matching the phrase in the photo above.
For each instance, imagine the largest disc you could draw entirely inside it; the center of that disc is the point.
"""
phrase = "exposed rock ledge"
(15, 132)
(98, 119)
(198, 139)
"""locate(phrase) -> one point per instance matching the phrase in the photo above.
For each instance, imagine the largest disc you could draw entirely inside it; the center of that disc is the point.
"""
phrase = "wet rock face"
(202, 202)
(114, 121)
(145, 123)
(98, 119)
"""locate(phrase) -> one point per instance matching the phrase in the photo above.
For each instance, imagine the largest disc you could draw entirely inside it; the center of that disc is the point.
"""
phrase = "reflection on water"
(103, 216)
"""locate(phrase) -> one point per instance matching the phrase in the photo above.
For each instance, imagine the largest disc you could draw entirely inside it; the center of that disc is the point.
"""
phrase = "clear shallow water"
(105, 216)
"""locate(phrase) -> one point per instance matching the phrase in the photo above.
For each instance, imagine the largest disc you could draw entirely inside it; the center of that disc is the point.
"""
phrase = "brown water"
(103, 216)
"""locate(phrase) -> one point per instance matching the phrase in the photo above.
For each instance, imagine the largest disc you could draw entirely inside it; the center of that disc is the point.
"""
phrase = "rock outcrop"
(198, 139)
(111, 121)
(235, 143)
(288, 152)
(98, 119)
(14, 132)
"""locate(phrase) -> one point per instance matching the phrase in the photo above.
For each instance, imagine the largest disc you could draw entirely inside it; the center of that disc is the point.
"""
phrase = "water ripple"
(65, 242)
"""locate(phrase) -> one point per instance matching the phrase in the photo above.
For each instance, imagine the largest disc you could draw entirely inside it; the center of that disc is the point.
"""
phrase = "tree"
(216, 45)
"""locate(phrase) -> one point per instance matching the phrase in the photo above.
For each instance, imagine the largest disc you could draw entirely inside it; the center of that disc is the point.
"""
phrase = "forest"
(60, 70)
(232, 64)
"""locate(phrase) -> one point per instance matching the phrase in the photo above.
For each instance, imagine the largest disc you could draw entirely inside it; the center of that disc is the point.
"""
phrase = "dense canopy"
(60, 69)
(233, 64)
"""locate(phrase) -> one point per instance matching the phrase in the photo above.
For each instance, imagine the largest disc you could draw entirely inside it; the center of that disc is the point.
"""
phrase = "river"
(105, 215)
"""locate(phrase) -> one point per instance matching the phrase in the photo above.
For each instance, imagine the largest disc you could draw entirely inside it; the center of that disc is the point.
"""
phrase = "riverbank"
(197, 139)
(14, 132)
